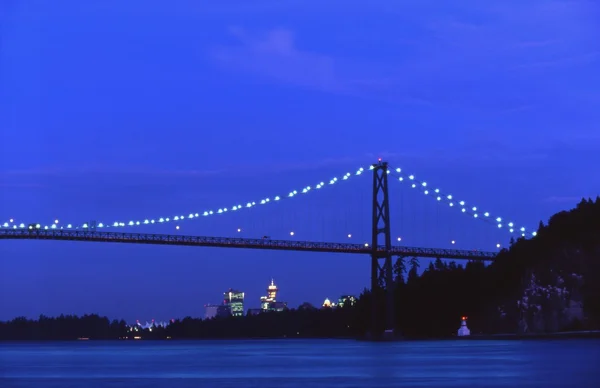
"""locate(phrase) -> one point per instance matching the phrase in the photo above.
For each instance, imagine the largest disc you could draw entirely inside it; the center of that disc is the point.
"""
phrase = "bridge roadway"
(227, 242)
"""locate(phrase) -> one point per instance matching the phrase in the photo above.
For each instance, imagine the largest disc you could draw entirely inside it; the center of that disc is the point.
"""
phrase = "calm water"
(298, 363)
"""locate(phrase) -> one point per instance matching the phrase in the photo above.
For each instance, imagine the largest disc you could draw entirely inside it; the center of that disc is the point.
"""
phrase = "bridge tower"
(381, 259)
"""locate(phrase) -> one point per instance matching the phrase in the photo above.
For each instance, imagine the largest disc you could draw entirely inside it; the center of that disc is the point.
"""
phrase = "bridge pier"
(382, 280)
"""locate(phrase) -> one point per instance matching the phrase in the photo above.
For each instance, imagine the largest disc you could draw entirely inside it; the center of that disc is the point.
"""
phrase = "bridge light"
(486, 214)
(437, 190)
(451, 204)
(349, 236)
(400, 179)
(464, 210)
(424, 184)
(499, 225)
(510, 224)
(411, 177)
(462, 203)
(522, 229)
(474, 209)
(38, 226)
(399, 238)
(475, 215)
(413, 185)
(366, 244)
(534, 234)
(11, 220)
(511, 230)
(56, 221)
(177, 227)
(453, 242)
(426, 192)
(497, 245)
(291, 233)
(439, 198)
(239, 230)
(498, 219)
(449, 197)
(398, 169)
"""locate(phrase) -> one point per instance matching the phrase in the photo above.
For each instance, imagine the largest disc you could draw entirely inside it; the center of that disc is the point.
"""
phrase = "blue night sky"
(127, 110)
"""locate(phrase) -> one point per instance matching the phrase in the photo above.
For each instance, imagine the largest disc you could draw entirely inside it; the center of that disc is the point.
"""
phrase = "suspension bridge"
(380, 248)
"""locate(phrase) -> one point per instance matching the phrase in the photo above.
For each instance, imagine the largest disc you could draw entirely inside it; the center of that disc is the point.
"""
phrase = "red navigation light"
(379, 159)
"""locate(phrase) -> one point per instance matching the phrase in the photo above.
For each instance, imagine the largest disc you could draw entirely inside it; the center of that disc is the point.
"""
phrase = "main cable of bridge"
(449, 199)
(397, 173)
(58, 225)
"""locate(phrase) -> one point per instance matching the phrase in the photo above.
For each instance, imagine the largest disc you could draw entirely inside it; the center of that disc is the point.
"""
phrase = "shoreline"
(476, 337)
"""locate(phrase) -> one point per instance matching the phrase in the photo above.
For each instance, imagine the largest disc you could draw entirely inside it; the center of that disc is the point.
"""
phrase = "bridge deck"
(226, 242)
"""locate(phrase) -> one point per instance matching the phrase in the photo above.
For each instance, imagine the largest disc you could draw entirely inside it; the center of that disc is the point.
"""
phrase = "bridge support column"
(382, 280)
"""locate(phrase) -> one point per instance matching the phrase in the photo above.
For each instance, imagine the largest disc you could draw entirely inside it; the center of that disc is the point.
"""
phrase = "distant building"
(254, 311)
(269, 302)
(216, 310)
(234, 300)
(150, 325)
(346, 300)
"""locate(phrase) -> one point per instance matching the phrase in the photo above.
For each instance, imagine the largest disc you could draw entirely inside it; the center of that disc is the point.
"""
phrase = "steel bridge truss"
(247, 243)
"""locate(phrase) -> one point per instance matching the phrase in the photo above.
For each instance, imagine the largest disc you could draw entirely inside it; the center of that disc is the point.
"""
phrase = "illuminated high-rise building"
(266, 301)
(269, 302)
(234, 300)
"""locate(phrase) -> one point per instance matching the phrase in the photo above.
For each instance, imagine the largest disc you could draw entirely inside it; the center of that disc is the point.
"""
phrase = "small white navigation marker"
(463, 331)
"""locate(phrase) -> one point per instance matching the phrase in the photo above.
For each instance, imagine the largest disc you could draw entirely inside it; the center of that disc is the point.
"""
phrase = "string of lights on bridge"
(449, 199)
(397, 173)
(180, 218)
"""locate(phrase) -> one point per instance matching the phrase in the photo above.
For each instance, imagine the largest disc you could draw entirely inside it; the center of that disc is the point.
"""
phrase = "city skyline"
(179, 110)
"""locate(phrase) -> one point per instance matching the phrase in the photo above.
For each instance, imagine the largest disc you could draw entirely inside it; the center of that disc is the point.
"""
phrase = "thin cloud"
(22, 186)
(246, 170)
(274, 55)
(582, 59)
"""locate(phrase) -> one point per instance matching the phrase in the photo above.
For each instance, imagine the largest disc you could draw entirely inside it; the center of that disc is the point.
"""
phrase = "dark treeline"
(545, 284)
